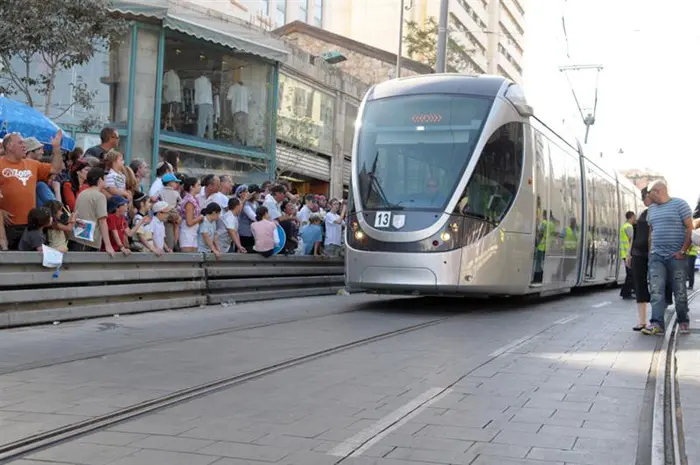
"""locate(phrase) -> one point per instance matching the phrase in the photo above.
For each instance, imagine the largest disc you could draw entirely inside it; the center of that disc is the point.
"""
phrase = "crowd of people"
(660, 258)
(93, 201)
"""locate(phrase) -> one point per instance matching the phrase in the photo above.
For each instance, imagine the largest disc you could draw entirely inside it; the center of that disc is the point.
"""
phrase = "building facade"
(643, 177)
(491, 32)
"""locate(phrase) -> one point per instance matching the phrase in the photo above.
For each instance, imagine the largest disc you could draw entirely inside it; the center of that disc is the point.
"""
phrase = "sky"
(646, 91)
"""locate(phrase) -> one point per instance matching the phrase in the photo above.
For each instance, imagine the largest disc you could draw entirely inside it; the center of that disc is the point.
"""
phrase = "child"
(265, 233)
(33, 236)
(312, 236)
(229, 241)
(116, 223)
(62, 224)
(170, 193)
(140, 226)
(115, 179)
(161, 210)
(207, 230)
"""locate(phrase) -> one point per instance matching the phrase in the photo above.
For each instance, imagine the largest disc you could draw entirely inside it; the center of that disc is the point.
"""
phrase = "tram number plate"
(382, 220)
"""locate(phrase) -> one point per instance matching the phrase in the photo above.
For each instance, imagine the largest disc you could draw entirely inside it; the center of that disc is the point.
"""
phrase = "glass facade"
(305, 115)
(214, 95)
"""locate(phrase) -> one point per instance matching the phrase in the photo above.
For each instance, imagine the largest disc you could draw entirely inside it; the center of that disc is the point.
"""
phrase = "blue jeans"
(43, 194)
(662, 271)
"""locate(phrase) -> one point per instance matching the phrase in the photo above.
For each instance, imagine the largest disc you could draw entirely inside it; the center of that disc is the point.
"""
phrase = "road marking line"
(566, 320)
(512, 345)
(371, 435)
(602, 304)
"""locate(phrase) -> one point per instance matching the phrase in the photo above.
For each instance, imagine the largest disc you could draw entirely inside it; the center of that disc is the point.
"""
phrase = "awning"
(215, 27)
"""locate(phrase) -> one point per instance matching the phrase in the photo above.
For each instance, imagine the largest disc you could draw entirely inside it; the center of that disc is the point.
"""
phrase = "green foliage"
(421, 45)
(57, 35)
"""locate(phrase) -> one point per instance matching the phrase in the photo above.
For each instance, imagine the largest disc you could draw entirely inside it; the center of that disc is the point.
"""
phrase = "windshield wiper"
(374, 185)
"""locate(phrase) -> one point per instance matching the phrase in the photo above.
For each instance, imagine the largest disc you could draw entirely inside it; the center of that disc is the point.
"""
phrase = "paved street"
(558, 381)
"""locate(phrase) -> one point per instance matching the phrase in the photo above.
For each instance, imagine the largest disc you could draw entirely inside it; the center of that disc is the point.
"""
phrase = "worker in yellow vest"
(546, 234)
(626, 237)
(691, 256)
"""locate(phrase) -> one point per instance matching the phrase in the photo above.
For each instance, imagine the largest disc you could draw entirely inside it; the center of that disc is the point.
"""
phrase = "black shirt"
(640, 242)
(31, 240)
(96, 151)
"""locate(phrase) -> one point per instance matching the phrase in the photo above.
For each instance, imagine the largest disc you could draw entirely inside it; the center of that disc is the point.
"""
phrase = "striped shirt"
(667, 228)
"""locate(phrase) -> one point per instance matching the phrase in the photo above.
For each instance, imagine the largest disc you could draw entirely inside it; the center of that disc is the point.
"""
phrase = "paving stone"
(535, 439)
(295, 458)
(220, 433)
(112, 438)
(84, 454)
(489, 460)
(622, 435)
(499, 450)
(563, 405)
(171, 443)
(461, 433)
(580, 457)
(430, 456)
(245, 451)
(152, 457)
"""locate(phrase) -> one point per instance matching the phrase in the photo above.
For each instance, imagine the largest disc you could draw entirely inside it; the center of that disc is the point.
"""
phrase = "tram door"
(544, 228)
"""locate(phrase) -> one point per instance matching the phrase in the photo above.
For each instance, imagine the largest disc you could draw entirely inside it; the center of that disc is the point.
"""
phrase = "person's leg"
(679, 277)
(657, 286)
(641, 289)
(14, 235)
(691, 270)
(3, 234)
(628, 286)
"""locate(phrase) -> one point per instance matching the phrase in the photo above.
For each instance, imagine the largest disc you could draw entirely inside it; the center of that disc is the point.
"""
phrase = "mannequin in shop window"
(172, 96)
(204, 101)
(239, 97)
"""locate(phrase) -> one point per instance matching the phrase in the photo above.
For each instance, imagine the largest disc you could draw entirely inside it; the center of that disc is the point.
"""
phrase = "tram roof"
(451, 83)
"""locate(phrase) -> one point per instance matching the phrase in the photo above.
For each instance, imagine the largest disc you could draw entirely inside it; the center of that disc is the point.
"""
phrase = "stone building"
(368, 64)
(643, 177)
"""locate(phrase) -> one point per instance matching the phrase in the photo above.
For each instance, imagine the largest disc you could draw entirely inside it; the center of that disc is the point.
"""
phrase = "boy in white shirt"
(161, 210)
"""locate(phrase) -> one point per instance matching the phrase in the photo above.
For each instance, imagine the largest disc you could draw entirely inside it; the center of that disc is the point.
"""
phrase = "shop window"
(198, 163)
(494, 183)
(215, 96)
(305, 115)
(350, 117)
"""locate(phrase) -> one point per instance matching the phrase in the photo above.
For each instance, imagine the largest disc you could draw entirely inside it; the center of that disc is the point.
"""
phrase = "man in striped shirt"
(670, 221)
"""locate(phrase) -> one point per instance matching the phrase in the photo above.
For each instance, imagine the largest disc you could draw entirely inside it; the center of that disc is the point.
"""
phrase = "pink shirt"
(264, 233)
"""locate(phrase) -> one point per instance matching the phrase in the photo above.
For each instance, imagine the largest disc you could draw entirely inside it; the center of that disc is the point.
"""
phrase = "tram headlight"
(445, 236)
(359, 235)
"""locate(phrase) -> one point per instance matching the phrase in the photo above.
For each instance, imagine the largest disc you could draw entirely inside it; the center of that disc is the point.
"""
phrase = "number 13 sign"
(382, 220)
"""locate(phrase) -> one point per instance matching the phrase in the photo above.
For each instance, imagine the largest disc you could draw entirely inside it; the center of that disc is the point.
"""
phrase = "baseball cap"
(170, 177)
(32, 143)
(645, 192)
(160, 207)
(241, 188)
(115, 202)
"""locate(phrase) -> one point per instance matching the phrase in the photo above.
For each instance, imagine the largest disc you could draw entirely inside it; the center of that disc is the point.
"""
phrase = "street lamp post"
(398, 54)
(442, 38)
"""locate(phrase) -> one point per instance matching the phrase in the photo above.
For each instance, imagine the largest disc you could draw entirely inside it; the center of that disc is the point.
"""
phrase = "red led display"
(427, 118)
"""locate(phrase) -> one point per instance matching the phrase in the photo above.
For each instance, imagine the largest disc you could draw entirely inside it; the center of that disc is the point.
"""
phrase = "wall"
(145, 95)
(367, 69)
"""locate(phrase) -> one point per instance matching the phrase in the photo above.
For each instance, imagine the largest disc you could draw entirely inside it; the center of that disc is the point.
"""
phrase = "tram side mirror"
(524, 109)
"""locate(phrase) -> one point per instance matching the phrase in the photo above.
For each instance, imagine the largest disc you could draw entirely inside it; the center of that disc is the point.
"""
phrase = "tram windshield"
(412, 150)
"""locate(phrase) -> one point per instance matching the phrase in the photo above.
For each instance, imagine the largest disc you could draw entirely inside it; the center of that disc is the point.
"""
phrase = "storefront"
(199, 83)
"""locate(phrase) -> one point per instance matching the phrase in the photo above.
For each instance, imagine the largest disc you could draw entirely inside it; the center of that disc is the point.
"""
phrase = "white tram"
(457, 188)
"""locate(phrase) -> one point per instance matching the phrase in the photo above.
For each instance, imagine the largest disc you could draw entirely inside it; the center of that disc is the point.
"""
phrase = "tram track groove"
(22, 447)
(166, 340)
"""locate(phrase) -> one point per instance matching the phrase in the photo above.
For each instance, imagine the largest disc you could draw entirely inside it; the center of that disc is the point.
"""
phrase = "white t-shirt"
(334, 231)
(303, 216)
(228, 221)
(271, 204)
(238, 96)
(218, 197)
(156, 188)
(202, 91)
(172, 89)
(158, 230)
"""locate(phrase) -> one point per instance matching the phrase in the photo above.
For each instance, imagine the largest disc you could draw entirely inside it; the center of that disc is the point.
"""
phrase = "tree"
(58, 35)
(421, 44)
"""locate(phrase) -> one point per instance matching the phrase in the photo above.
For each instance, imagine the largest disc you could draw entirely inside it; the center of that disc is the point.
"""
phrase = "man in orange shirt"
(18, 179)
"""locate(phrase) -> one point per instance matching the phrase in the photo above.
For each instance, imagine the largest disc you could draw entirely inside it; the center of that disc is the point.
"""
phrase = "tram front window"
(412, 150)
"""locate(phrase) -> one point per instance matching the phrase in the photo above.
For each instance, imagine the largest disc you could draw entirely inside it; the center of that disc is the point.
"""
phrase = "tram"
(459, 189)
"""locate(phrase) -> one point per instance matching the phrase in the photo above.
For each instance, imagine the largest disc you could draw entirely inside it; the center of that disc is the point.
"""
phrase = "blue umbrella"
(18, 117)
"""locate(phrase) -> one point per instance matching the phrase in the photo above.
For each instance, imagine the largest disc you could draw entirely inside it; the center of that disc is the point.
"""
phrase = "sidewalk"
(688, 363)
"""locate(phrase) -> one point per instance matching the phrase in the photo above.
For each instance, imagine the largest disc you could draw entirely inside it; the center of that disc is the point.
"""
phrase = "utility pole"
(398, 54)
(442, 37)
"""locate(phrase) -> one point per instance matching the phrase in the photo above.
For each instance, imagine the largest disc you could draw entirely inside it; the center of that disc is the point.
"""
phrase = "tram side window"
(494, 182)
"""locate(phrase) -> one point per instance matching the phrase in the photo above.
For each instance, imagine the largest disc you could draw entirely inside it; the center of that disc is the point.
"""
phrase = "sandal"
(639, 327)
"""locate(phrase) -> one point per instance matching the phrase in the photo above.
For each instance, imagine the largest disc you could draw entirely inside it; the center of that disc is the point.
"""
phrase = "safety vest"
(624, 240)
(693, 251)
(549, 233)
(570, 240)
